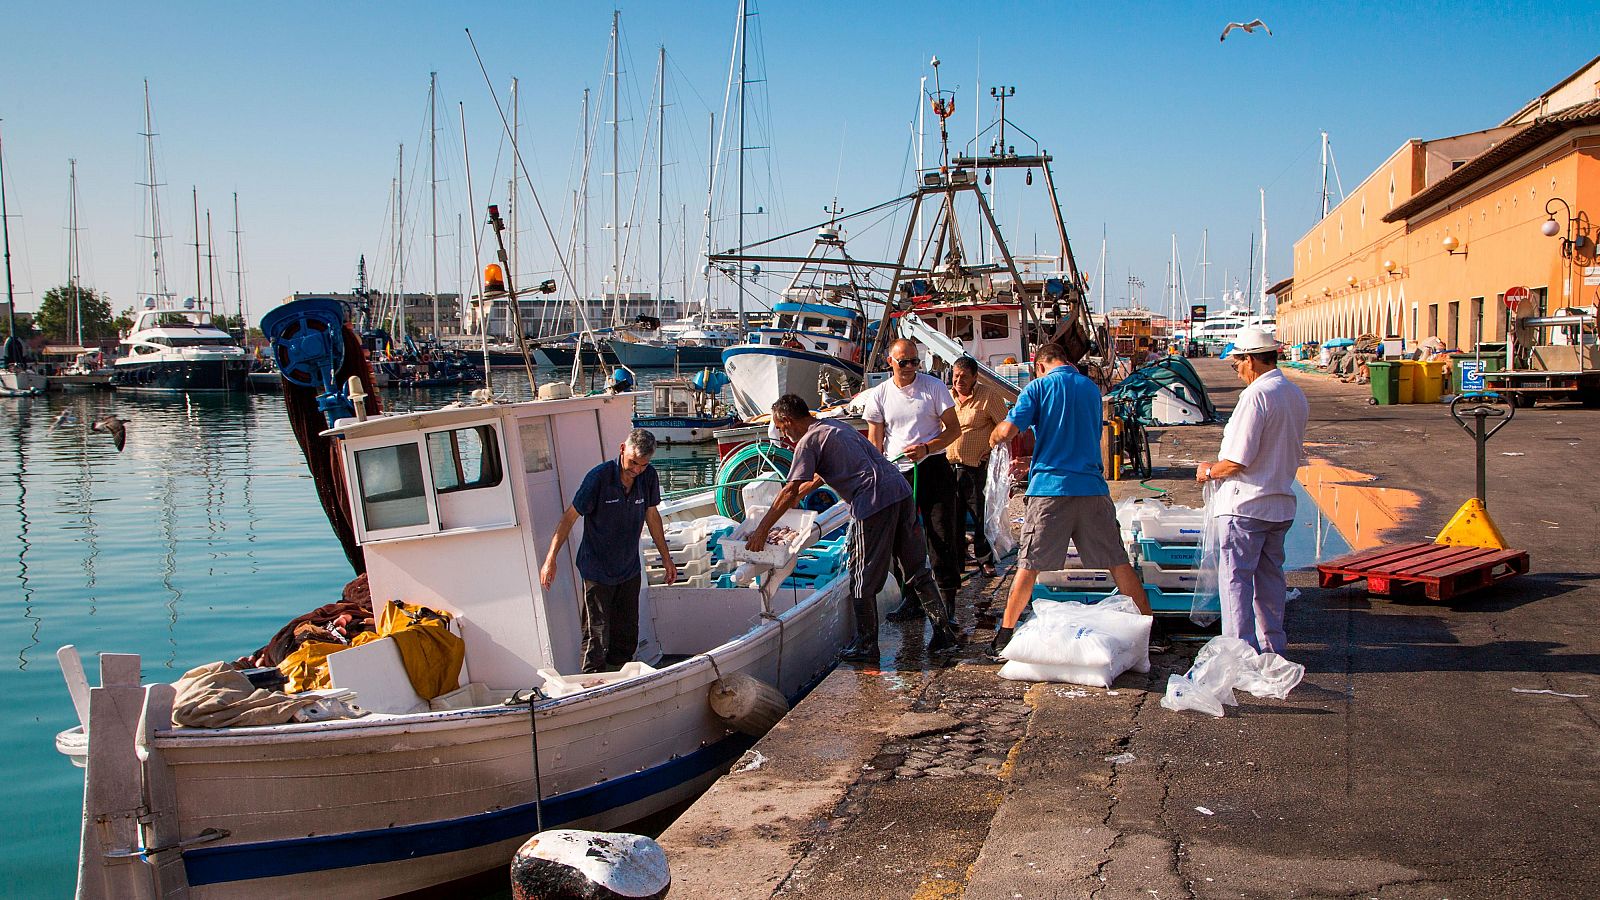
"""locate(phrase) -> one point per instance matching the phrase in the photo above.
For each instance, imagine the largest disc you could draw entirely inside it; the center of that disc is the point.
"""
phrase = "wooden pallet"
(1441, 572)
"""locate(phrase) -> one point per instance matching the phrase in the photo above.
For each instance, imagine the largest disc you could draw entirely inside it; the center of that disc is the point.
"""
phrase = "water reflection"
(23, 526)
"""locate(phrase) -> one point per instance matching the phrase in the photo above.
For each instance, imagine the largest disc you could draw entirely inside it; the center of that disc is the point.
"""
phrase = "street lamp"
(1573, 240)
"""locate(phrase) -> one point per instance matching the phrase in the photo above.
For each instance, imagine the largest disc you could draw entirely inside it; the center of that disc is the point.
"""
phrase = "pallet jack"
(1469, 553)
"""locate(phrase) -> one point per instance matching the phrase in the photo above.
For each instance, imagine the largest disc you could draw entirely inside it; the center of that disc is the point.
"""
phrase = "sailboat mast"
(512, 205)
(661, 171)
(433, 196)
(1205, 235)
(1264, 251)
(400, 242)
(72, 250)
(1324, 174)
(616, 169)
(711, 195)
(583, 206)
(155, 236)
(194, 194)
(1102, 268)
(211, 268)
(238, 265)
(744, 55)
(13, 343)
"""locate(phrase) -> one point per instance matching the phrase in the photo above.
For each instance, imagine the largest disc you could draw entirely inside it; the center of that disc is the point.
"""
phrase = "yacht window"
(536, 455)
(959, 327)
(392, 491)
(996, 326)
(464, 458)
(197, 341)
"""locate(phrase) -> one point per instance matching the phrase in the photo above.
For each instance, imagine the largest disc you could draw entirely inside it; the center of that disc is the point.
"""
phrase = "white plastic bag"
(996, 493)
(1184, 694)
(1226, 663)
(1079, 643)
(1206, 606)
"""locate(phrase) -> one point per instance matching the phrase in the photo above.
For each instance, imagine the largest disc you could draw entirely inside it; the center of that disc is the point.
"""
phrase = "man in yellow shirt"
(979, 408)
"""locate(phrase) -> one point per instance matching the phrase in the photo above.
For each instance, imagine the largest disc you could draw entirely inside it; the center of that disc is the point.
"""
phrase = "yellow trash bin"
(1406, 378)
(1431, 386)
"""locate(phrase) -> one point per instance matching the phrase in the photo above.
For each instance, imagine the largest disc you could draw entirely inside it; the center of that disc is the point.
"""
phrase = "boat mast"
(744, 55)
(194, 194)
(155, 236)
(211, 269)
(616, 173)
(922, 111)
(1102, 268)
(433, 196)
(711, 196)
(13, 357)
(1204, 264)
(512, 206)
(1324, 174)
(238, 266)
(1263, 251)
(400, 242)
(72, 250)
(661, 170)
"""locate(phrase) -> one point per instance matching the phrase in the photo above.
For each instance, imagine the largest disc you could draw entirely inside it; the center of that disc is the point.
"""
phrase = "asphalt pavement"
(1439, 750)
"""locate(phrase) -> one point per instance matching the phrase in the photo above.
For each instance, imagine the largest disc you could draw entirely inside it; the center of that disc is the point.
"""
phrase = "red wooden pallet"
(1441, 571)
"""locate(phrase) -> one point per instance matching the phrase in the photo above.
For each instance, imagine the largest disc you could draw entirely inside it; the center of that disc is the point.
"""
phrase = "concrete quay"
(1424, 755)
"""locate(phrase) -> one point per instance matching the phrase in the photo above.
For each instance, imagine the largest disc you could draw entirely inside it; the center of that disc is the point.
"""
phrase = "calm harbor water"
(195, 543)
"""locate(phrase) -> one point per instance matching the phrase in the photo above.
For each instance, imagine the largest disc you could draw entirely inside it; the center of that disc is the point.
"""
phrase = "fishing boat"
(451, 509)
(686, 410)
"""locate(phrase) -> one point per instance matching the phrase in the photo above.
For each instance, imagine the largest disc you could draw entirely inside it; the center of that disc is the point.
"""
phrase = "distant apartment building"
(419, 310)
(1431, 241)
(553, 314)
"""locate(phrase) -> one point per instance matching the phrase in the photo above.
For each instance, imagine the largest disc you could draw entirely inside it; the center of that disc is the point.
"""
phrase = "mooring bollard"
(569, 864)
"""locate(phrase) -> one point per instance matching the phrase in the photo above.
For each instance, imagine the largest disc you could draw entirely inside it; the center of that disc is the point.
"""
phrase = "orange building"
(1430, 242)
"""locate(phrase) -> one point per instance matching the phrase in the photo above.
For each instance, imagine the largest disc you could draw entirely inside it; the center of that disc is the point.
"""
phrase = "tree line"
(54, 318)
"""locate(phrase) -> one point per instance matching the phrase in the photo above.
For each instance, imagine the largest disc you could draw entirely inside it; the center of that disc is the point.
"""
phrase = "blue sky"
(299, 107)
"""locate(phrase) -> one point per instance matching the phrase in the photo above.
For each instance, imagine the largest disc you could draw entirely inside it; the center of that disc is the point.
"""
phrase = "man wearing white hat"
(1263, 445)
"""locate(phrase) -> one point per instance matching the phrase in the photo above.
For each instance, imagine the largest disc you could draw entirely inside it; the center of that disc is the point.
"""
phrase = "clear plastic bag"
(1224, 664)
(1271, 676)
(1206, 607)
(1184, 694)
(996, 493)
(1079, 643)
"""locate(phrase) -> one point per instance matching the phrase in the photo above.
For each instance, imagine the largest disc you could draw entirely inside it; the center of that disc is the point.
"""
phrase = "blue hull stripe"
(295, 856)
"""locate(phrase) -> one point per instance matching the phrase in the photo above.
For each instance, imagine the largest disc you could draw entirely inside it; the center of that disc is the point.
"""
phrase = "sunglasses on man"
(911, 362)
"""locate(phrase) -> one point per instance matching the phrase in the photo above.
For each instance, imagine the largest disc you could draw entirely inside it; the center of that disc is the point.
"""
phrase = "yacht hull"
(173, 376)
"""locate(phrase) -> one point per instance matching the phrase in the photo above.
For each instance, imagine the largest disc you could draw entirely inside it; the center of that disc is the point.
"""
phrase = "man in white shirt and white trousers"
(1263, 446)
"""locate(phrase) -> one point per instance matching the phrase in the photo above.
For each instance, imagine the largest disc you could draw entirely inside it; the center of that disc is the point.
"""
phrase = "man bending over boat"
(616, 499)
(884, 523)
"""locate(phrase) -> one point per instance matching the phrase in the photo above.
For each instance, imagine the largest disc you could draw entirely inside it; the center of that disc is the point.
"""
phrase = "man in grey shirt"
(884, 525)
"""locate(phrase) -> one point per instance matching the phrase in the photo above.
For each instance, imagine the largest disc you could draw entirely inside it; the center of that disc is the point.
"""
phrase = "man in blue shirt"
(1068, 500)
(616, 499)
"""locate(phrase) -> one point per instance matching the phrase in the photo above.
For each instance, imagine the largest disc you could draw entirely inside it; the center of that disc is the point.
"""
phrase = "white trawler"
(453, 509)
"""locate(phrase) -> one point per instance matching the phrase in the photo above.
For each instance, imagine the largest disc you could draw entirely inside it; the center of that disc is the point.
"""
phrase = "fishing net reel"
(307, 339)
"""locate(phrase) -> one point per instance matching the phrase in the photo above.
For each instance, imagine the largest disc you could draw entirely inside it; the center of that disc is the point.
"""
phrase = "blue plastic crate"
(1162, 603)
(1172, 556)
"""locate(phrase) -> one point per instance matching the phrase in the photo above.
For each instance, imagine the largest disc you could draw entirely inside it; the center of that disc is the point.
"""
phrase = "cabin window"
(996, 327)
(959, 327)
(785, 320)
(811, 323)
(536, 454)
(464, 458)
(392, 491)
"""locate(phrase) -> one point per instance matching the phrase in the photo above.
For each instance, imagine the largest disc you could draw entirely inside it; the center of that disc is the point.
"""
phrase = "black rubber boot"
(945, 639)
(865, 646)
(864, 649)
(1002, 637)
(909, 610)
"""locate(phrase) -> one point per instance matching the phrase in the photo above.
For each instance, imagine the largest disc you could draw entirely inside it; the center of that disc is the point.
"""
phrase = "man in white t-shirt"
(1263, 446)
(912, 419)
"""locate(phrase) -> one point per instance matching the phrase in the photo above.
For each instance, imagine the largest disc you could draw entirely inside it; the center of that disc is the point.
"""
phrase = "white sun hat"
(1253, 340)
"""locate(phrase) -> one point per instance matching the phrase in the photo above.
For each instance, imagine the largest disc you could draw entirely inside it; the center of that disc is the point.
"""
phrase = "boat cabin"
(991, 334)
(455, 508)
(816, 327)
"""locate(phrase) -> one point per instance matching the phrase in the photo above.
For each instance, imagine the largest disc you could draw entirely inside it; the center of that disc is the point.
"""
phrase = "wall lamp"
(1389, 266)
(1452, 246)
(1573, 240)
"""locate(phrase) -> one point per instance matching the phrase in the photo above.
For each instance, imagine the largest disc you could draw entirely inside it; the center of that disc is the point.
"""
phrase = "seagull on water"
(1249, 27)
(113, 426)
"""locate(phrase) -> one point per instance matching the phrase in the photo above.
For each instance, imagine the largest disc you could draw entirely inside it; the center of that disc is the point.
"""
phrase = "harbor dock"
(1433, 749)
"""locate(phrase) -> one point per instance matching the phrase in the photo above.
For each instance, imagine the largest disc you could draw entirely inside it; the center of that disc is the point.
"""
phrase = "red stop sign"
(1515, 297)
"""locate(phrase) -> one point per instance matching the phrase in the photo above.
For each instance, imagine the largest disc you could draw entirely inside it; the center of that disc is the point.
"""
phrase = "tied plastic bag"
(1206, 605)
(1226, 663)
(996, 491)
(1079, 643)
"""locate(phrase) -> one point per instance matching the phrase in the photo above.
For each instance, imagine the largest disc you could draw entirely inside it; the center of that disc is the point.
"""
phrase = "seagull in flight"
(66, 418)
(1249, 27)
(113, 426)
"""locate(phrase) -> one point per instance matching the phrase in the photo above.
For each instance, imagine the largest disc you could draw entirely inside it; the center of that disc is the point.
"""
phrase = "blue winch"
(307, 338)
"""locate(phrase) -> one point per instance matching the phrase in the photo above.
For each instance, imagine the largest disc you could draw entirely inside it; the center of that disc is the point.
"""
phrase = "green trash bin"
(1385, 386)
(1463, 365)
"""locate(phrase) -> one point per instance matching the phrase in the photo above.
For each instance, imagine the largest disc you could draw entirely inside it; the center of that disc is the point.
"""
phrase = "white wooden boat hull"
(761, 374)
(384, 805)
